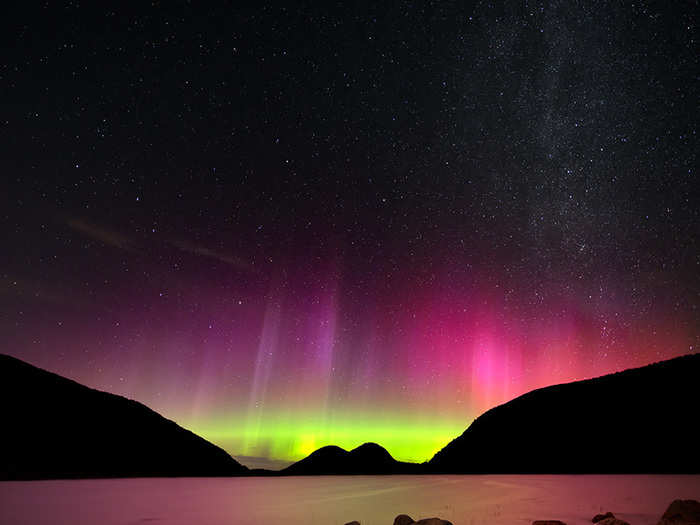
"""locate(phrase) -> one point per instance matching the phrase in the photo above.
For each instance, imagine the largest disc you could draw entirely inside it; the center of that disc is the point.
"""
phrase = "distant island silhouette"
(368, 458)
(56, 428)
(636, 421)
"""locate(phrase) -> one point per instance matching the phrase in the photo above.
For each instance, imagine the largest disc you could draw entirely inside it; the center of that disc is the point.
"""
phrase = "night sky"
(292, 227)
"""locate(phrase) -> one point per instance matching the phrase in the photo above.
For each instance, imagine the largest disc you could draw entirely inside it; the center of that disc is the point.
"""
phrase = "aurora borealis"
(288, 228)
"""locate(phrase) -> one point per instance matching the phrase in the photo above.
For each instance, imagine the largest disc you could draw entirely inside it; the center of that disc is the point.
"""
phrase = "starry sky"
(288, 227)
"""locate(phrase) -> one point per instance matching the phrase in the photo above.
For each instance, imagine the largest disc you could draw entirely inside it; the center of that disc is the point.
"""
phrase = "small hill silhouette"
(56, 428)
(369, 458)
(642, 420)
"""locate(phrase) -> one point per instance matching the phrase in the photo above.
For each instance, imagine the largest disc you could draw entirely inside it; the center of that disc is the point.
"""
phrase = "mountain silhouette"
(642, 420)
(369, 458)
(56, 428)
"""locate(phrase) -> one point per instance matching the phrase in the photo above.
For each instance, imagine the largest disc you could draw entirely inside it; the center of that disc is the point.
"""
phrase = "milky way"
(292, 228)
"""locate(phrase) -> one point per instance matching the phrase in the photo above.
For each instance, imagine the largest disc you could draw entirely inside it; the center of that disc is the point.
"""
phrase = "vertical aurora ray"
(267, 349)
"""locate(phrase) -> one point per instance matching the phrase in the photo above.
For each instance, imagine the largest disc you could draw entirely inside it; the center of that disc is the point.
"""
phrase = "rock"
(612, 521)
(600, 517)
(682, 512)
(548, 522)
(353, 523)
(403, 519)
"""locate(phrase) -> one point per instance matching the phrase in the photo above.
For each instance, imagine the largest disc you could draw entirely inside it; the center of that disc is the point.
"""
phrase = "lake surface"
(329, 500)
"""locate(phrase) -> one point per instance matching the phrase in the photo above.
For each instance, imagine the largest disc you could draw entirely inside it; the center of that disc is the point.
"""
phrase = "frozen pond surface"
(372, 500)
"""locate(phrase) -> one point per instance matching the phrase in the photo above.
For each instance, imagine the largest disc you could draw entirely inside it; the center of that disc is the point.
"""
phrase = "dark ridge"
(368, 458)
(642, 420)
(56, 428)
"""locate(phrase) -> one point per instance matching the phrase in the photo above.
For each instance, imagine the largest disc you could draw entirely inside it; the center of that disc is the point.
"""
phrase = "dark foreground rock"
(682, 512)
(601, 517)
(612, 521)
(404, 519)
(548, 522)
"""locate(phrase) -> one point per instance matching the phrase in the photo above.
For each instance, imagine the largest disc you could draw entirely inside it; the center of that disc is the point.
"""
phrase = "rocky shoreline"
(679, 512)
